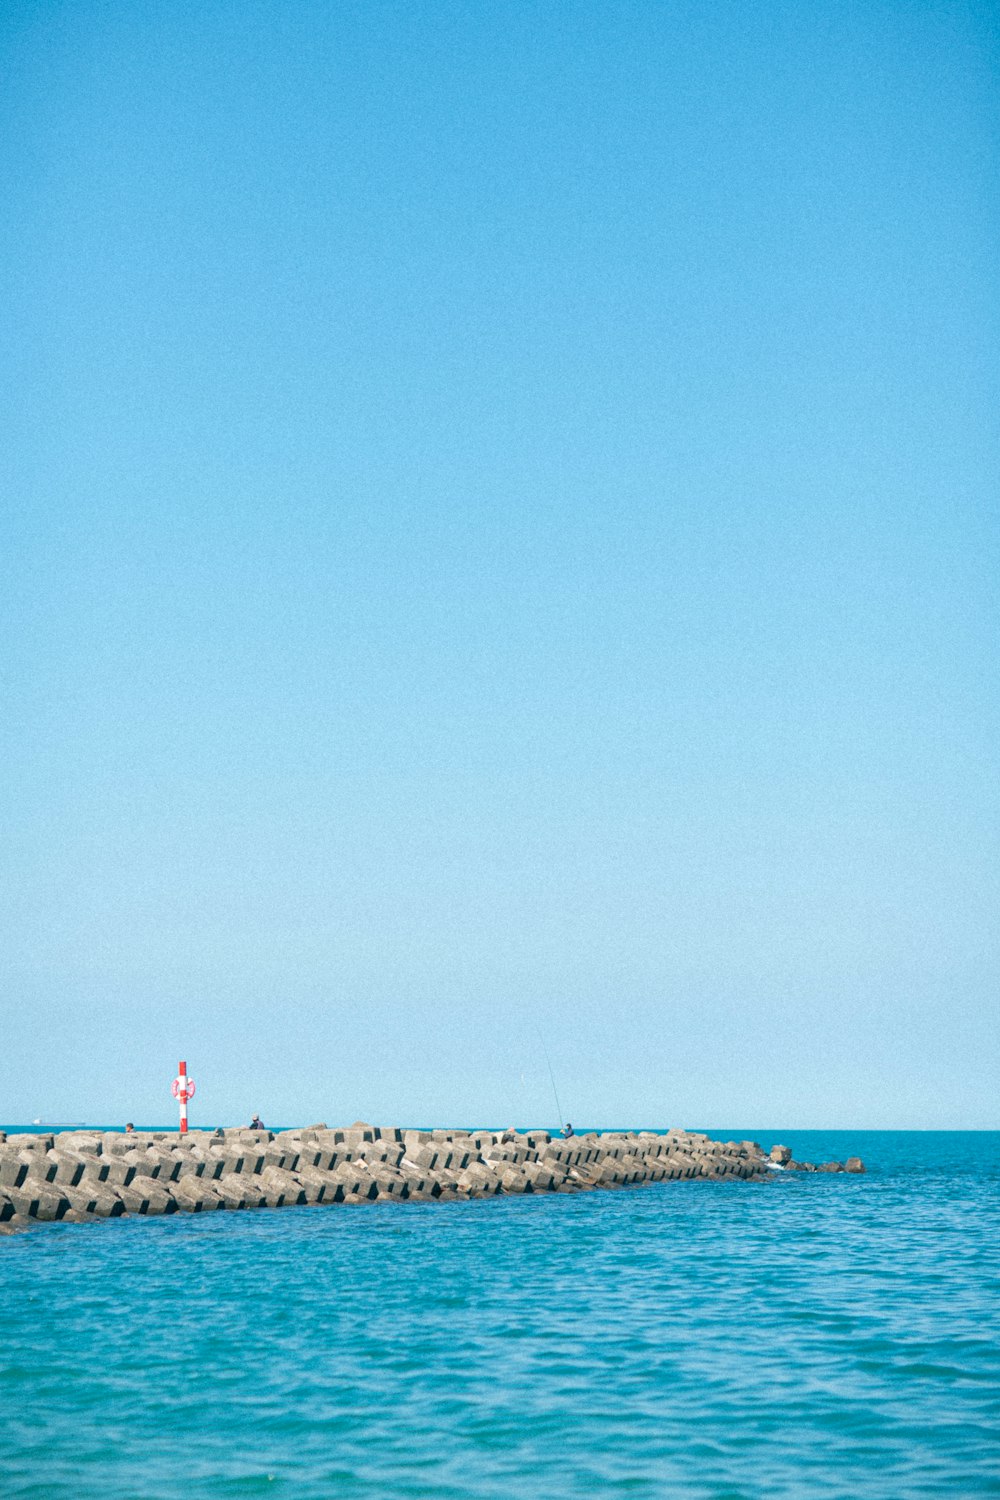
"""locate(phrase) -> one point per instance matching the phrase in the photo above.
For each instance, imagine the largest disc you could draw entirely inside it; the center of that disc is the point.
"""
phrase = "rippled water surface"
(812, 1336)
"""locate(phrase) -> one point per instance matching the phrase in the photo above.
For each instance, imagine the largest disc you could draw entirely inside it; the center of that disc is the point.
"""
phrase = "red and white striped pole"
(183, 1091)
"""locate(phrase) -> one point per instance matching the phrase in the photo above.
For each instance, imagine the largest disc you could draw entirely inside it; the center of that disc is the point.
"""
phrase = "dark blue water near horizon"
(825, 1336)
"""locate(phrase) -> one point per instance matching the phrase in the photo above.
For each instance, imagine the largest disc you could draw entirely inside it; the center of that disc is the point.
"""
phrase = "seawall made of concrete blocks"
(78, 1175)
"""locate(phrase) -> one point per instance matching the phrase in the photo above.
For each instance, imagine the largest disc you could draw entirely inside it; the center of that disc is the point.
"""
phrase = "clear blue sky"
(500, 536)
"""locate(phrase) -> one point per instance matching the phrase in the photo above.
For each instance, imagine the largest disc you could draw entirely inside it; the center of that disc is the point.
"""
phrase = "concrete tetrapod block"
(96, 1201)
(419, 1184)
(97, 1169)
(209, 1165)
(144, 1196)
(556, 1151)
(379, 1152)
(119, 1145)
(514, 1180)
(317, 1158)
(117, 1171)
(241, 1137)
(285, 1159)
(609, 1173)
(194, 1195)
(237, 1190)
(514, 1156)
(285, 1186)
(390, 1182)
(68, 1167)
(85, 1141)
(253, 1192)
(37, 1200)
(319, 1187)
(167, 1164)
(41, 1143)
(542, 1176)
(479, 1181)
(12, 1171)
(143, 1164)
(425, 1157)
(355, 1180)
(38, 1166)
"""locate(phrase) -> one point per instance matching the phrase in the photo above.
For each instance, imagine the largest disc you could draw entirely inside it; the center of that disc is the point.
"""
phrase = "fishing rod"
(552, 1077)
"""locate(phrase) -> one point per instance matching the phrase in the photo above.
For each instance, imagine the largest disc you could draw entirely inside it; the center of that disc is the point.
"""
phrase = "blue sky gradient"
(500, 537)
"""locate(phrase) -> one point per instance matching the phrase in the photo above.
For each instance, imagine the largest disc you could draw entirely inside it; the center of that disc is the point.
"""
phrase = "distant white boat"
(60, 1124)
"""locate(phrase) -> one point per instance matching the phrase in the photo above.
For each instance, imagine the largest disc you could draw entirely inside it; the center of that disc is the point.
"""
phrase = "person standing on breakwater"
(130, 1128)
(568, 1132)
(256, 1124)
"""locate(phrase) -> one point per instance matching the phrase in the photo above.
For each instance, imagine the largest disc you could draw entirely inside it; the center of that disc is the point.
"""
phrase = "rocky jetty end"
(79, 1175)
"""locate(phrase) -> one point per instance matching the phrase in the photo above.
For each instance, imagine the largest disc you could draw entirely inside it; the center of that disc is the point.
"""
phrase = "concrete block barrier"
(287, 1184)
(542, 1176)
(37, 1166)
(62, 1167)
(213, 1164)
(39, 1201)
(13, 1171)
(193, 1195)
(422, 1156)
(515, 1180)
(478, 1180)
(96, 1201)
(119, 1171)
(83, 1175)
(281, 1157)
(141, 1163)
(146, 1196)
(96, 1169)
(419, 1184)
(317, 1186)
(387, 1183)
(41, 1143)
(236, 1190)
(253, 1163)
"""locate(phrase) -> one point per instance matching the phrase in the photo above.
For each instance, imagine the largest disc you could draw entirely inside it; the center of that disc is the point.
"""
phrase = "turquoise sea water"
(811, 1336)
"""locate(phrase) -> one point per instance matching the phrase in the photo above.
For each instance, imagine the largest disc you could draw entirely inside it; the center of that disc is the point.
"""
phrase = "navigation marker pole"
(183, 1090)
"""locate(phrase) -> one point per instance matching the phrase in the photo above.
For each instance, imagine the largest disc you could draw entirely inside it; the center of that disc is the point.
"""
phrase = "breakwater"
(83, 1174)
